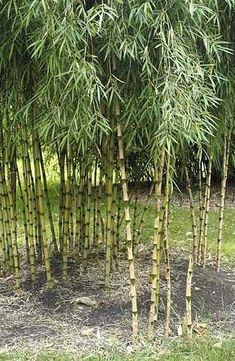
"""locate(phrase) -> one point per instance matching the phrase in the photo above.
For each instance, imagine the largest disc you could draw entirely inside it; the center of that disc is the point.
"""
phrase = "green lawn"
(180, 228)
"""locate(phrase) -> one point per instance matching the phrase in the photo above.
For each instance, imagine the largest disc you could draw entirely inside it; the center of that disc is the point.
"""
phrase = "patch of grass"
(198, 350)
(181, 228)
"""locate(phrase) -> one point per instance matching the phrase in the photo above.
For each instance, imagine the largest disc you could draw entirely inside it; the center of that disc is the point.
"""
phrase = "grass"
(181, 236)
(197, 350)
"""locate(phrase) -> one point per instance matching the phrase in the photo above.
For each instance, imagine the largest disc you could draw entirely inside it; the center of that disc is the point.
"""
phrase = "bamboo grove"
(119, 92)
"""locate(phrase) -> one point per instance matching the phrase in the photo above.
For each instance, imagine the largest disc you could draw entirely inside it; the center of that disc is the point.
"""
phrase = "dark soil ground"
(39, 319)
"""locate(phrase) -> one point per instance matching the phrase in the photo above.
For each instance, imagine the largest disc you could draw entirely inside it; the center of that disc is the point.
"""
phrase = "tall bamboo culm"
(188, 314)
(226, 154)
(129, 244)
(208, 194)
(156, 252)
(193, 216)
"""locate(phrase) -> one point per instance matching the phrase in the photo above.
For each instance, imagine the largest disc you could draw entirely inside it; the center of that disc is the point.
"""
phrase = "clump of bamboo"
(41, 209)
(62, 94)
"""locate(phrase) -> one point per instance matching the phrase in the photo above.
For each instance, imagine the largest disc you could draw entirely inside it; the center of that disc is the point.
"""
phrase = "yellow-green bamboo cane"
(156, 253)
(109, 197)
(189, 298)
(129, 244)
(168, 193)
(226, 154)
(193, 216)
(208, 193)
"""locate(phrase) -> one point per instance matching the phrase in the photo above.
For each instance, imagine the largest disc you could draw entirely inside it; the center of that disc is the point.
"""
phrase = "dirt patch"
(39, 318)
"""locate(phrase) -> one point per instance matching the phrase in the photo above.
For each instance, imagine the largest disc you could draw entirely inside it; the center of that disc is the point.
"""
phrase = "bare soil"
(39, 319)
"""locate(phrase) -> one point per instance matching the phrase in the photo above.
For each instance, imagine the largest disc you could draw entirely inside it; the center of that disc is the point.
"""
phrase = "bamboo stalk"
(6, 220)
(129, 244)
(94, 202)
(28, 223)
(109, 197)
(156, 253)
(226, 155)
(34, 220)
(66, 216)
(5, 261)
(156, 256)
(78, 226)
(193, 217)
(202, 229)
(6, 234)
(189, 297)
(113, 230)
(87, 219)
(208, 192)
(118, 218)
(168, 192)
(61, 158)
(98, 213)
(70, 200)
(25, 202)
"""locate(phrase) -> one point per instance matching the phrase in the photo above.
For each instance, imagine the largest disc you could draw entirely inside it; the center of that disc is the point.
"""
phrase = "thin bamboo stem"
(226, 155)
